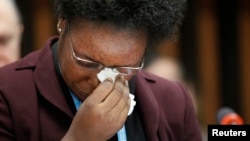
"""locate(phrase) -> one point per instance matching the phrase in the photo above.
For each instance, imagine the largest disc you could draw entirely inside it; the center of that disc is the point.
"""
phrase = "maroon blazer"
(33, 107)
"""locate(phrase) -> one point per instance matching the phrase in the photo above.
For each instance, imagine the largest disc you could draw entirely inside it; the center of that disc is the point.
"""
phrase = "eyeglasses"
(92, 65)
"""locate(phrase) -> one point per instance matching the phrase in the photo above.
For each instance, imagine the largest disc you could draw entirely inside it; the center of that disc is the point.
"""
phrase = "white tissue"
(132, 104)
(112, 73)
(107, 73)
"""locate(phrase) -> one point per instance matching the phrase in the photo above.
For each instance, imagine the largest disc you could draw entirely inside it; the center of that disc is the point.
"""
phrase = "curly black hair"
(160, 18)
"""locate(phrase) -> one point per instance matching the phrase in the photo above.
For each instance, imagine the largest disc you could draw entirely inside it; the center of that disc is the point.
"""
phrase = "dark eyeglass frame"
(92, 65)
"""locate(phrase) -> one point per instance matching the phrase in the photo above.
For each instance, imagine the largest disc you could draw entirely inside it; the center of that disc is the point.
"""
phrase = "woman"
(56, 93)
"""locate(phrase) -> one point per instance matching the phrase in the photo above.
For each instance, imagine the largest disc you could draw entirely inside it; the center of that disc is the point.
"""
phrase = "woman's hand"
(102, 113)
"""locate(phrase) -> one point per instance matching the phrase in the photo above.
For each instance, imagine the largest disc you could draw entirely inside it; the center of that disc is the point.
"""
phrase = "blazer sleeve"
(6, 125)
(192, 131)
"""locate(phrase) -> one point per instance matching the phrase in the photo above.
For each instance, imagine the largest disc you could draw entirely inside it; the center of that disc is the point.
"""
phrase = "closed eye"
(86, 64)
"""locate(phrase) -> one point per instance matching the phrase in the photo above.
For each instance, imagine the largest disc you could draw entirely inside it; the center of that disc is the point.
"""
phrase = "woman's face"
(101, 43)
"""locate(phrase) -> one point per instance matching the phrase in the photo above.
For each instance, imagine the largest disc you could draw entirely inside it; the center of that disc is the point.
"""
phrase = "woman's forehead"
(101, 45)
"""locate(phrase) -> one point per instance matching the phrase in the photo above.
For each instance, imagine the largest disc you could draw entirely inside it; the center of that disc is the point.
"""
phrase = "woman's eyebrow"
(85, 56)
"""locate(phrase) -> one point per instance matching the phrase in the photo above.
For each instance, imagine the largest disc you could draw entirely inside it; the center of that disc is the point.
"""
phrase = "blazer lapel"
(48, 83)
(147, 105)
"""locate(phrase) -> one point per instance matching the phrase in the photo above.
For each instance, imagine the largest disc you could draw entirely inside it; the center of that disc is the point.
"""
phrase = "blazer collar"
(47, 81)
(147, 104)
